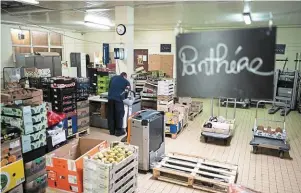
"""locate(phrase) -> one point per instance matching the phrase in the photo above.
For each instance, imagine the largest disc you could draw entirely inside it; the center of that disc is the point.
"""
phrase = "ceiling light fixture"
(102, 21)
(97, 10)
(247, 18)
(96, 25)
(34, 2)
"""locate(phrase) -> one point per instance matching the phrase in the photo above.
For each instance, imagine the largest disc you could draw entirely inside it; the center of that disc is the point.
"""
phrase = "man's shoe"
(118, 134)
(112, 133)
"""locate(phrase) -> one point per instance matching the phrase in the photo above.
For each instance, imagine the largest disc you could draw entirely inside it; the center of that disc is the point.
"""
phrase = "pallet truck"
(285, 90)
(213, 127)
(267, 137)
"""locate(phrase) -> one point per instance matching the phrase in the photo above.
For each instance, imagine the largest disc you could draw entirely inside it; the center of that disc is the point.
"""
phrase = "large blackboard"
(232, 63)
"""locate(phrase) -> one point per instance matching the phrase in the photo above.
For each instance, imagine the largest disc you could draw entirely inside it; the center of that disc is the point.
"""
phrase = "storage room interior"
(150, 96)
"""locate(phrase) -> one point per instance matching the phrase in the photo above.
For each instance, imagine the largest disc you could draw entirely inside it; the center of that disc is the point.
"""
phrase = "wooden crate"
(196, 172)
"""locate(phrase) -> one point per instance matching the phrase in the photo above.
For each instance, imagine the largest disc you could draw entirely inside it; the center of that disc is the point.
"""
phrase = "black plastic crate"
(63, 109)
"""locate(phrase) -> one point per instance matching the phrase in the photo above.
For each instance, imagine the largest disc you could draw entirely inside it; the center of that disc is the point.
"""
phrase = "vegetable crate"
(114, 169)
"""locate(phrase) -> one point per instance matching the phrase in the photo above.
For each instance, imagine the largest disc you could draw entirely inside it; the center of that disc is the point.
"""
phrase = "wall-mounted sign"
(165, 47)
(280, 48)
(232, 63)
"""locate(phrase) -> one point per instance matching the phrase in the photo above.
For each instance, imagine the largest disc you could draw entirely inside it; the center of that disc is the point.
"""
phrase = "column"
(125, 15)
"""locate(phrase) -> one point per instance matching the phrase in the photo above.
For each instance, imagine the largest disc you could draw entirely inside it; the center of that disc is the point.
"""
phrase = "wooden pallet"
(196, 172)
(180, 128)
(85, 131)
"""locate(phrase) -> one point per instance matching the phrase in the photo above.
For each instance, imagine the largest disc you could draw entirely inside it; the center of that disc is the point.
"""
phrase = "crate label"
(14, 144)
(49, 160)
(71, 165)
(74, 188)
(58, 138)
(72, 179)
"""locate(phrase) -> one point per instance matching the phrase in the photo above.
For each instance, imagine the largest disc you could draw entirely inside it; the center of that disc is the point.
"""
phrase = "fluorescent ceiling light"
(29, 1)
(247, 18)
(97, 10)
(96, 25)
(98, 20)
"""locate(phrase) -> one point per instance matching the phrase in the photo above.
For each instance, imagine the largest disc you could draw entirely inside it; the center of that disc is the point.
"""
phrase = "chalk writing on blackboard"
(217, 62)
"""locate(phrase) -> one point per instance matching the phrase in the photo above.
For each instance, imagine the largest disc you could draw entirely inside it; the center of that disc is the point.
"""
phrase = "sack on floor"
(235, 188)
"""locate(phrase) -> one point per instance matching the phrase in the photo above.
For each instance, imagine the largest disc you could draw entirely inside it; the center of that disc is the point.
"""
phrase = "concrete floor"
(264, 171)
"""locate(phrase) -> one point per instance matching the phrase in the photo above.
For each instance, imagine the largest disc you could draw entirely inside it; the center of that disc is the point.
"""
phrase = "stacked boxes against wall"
(99, 80)
(113, 169)
(182, 110)
(32, 122)
(64, 101)
(102, 84)
(165, 93)
(82, 88)
(83, 116)
(149, 94)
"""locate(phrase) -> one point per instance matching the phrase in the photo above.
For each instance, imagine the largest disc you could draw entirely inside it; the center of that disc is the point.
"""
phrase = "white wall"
(151, 40)
(69, 44)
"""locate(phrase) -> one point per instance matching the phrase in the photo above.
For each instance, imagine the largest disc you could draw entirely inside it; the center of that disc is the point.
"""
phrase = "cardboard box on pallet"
(112, 177)
(185, 100)
(12, 175)
(173, 117)
(65, 165)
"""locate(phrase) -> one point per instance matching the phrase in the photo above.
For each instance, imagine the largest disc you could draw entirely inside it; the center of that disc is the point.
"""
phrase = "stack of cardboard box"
(184, 110)
(32, 122)
(12, 168)
(186, 101)
(196, 106)
(165, 93)
(83, 118)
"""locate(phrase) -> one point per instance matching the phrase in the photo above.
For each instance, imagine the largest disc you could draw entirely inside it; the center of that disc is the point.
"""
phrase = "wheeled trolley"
(268, 137)
(218, 127)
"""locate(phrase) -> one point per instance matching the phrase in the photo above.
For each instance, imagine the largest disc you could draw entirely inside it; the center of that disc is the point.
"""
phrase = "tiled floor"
(264, 171)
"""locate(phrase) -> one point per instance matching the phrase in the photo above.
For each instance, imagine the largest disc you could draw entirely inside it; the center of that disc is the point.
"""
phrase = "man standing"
(116, 95)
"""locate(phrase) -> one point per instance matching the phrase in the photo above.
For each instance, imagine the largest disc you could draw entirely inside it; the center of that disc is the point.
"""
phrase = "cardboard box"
(65, 165)
(196, 109)
(172, 117)
(11, 151)
(70, 124)
(83, 122)
(18, 189)
(83, 112)
(10, 95)
(12, 175)
(37, 185)
(35, 168)
(28, 123)
(18, 112)
(82, 104)
(185, 100)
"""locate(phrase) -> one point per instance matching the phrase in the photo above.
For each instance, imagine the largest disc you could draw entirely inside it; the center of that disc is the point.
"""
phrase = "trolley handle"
(270, 102)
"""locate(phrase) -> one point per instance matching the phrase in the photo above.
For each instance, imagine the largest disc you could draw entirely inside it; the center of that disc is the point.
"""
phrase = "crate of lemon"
(114, 169)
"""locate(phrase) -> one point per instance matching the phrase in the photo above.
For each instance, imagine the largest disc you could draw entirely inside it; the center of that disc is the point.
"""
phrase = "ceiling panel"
(158, 15)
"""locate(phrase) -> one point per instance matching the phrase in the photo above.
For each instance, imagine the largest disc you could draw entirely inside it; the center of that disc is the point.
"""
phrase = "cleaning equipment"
(268, 137)
(218, 127)
(128, 103)
(285, 90)
(146, 130)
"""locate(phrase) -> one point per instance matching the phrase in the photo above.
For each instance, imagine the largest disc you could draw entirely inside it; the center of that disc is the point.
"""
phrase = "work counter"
(99, 111)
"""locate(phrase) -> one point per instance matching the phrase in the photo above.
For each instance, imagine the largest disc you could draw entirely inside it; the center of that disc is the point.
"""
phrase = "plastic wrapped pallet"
(101, 176)
(185, 100)
(184, 109)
